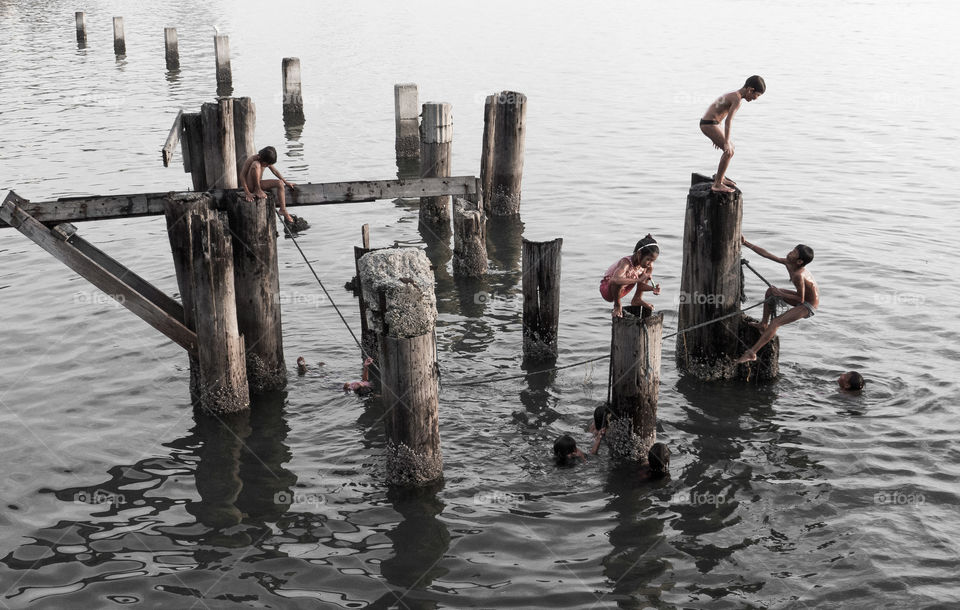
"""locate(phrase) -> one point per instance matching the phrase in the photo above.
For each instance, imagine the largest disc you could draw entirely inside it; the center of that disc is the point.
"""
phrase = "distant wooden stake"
(171, 48)
(406, 114)
(635, 364)
(81, 27)
(436, 145)
(257, 281)
(365, 236)
(541, 298)
(223, 375)
(219, 144)
(469, 239)
(119, 43)
(244, 128)
(172, 138)
(221, 49)
(292, 87)
(486, 155)
(509, 134)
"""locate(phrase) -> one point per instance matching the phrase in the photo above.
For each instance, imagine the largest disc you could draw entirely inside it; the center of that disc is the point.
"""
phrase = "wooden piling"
(406, 111)
(436, 145)
(469, 239)
(221, 50)
(244, 128)
(219, 144)
(223, 375)
(635, 374)
(119, 41)
(486, 155)
(710, 287)
(292, 88)
(398, 287)
(508, 138)
(81, 18)
(191, 148)
(256, 276)
(541, 298)
(178, 210)
(171, 47)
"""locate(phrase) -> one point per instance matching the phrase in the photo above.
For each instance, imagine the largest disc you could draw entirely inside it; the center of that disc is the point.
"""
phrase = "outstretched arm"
(762, 252)
(276, 173)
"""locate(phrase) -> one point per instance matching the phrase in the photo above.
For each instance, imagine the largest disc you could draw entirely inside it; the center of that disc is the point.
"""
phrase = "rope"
(715, 320)
(299, 249)
(744, 261)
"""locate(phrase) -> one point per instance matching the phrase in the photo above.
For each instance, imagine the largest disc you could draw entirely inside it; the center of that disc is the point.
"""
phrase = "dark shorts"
(708, 122)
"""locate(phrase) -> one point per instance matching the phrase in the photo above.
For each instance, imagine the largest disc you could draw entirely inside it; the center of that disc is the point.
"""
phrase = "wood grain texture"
(635, 361)
(541, 298)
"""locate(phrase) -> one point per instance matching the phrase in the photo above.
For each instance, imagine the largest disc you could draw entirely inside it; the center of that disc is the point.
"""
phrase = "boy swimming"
(726, 106)
(805, 299)
(631, 271)
(253, 184)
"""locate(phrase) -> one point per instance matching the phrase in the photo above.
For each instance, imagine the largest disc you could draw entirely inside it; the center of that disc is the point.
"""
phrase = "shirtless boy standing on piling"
(726, 106)
(805, 299)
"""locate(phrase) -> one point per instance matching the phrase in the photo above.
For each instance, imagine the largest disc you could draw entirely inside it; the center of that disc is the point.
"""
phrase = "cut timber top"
(74, 209)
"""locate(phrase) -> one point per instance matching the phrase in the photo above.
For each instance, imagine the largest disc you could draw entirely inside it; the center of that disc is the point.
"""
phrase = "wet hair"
(658, 459)
(806, 254)
(647, 245)
(756, 83)
(563, 447)
(268, 155)
(855, 381)
(600, 417)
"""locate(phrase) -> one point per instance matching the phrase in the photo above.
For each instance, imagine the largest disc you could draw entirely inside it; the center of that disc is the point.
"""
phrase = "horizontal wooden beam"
(58, 244)
(172, 139)
(79, 209)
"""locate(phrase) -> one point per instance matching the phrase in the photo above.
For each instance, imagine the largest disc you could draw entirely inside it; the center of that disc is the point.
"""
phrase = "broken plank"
(172, 139)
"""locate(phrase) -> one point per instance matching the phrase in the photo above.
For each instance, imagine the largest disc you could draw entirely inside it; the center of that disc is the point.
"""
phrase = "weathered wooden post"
(436, 145)
(292, 88)
(119, 43)
(710, 288)
(219, 144)
(401, 308)
(191, 148)
(244, 128)
(635, 371)
(256, 276)
(171, 47)
(508, 138)
(541, 298)
(406, 111)
(486, 155)
(81, 18)
(221, 50)
(469, 239)
(223, 374)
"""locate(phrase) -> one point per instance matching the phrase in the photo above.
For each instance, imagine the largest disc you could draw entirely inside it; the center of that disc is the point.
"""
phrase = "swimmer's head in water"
(659, 460)
(851, 381)
(646, 251)
(563, 448)
(268, 155)
(600, 417)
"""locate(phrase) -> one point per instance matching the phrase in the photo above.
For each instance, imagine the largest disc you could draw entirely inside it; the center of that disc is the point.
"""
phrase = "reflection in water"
(408, 169)
(419, 541)
(504, 235)
(436, 238)
(173, 76)
(536, 398)
(293, 128)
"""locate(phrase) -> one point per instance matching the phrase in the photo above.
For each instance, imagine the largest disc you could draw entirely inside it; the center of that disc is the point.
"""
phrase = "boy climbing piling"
(253, 184)
(630, 271)
(804, 300)
(724, 107)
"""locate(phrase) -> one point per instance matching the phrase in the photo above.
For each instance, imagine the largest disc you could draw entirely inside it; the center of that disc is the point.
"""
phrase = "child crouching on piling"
(253, 184)
(630, 271)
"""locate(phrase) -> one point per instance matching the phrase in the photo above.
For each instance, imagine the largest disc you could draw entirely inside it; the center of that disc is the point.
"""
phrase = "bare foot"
(721, 188)
(759, 325)
(726, 181)
(748, 356)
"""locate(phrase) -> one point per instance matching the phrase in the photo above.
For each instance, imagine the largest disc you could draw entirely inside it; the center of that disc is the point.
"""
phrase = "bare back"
(811, 292)
(722, 106)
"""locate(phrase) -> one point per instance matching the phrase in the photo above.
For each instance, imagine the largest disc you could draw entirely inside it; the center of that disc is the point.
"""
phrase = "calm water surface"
(789, 495)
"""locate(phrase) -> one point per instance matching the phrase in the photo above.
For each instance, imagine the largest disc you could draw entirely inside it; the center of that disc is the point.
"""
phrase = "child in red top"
(630, 271)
